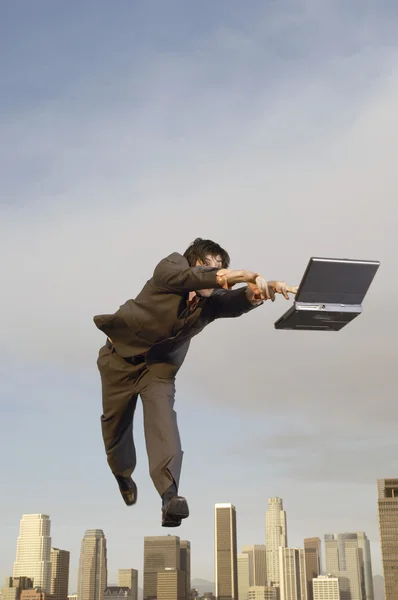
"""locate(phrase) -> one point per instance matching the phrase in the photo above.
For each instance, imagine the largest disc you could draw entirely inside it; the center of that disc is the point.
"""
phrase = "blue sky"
(127, 130)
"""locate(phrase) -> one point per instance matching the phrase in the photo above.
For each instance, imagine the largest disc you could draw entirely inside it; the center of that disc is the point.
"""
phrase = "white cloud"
(278, 192)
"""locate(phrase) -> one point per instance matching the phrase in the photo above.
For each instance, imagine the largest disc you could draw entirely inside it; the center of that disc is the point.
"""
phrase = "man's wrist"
(236, 277)
(227, 278)
(221, 277)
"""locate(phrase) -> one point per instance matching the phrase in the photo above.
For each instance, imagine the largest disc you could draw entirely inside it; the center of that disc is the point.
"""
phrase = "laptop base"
(318, 317)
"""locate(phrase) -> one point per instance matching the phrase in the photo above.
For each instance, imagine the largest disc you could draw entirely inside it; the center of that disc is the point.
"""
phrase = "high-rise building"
(388, 525)
(275, 537)
(34, 550)
(326, 588)
(312, 552)
(117, 592)
(93, 566)
(257, 564)
(59, 573)
(160, 553)
(271, 592)
(293, 580)
(344, 560)
(364, 545)
(348, 558)
(263, 592)
(14, 586)
(225, 552)
(256, 592)
(170, 584)
(185, 566)
(35, 594)
(129, 578)
(243, 576)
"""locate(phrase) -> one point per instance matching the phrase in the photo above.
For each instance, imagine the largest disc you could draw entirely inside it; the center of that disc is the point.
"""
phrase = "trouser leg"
(119, 400)
(161, 433)
(117, 433)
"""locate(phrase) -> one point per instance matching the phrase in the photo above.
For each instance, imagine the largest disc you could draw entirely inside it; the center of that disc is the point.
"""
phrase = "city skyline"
(241, 122)
(337, 556)
(248, 549)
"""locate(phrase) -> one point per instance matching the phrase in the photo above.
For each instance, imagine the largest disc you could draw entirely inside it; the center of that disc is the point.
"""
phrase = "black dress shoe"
(128, 489)
(174, 511)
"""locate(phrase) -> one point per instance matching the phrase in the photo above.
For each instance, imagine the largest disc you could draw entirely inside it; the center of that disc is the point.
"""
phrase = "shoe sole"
(170, 523)
(177, 510)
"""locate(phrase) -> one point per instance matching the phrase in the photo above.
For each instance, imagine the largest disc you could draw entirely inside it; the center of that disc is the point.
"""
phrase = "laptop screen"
(336, 281)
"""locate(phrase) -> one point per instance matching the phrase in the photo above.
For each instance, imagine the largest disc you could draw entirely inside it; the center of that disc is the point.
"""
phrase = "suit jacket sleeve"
(175, 275)
(230, 303)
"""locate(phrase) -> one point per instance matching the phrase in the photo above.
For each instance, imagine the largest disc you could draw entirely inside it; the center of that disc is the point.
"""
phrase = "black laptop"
(330, 294)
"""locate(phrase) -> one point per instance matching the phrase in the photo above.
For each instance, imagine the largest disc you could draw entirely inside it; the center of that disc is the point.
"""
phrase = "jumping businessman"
(147, 341)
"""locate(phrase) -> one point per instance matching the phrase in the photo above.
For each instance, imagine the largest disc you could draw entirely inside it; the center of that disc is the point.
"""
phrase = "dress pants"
(122, 383)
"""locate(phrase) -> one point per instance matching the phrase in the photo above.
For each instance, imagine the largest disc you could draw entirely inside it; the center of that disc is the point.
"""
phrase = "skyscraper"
(312, 552)
(93, 566)
(388, 525)
(257, 564)
(243, 576)
(348, 558)
(59, 573)
(129, 578)
(364, 545)
(185, 566)
(225, 552)
(35, 594)
(170, 584)
(34, 550)
(293, 580)
(14, 586)
(326, 588)
(263, 592)
(160, 553)
(275, 537)
(115, 592)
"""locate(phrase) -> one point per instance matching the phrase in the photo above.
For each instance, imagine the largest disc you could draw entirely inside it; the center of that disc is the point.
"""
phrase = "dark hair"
(200, 248)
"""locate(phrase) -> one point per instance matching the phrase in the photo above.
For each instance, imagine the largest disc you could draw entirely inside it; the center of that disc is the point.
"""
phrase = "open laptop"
(330, 294)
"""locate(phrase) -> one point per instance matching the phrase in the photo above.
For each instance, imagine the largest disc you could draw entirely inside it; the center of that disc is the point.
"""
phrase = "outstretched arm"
(173, 274)
(237, 302)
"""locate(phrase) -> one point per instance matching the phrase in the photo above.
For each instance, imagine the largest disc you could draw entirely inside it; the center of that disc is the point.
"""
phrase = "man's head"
(208, 253)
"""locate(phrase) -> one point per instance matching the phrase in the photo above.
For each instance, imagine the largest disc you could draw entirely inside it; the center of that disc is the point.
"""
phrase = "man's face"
(210, 261)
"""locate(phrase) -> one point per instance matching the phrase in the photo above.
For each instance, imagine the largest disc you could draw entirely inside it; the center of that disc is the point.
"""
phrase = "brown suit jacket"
(158, 324)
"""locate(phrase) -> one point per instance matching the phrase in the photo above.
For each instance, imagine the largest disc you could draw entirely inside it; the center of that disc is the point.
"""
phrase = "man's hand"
(262, 289)
(266, 290)
(254, 295)
(280, 287)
